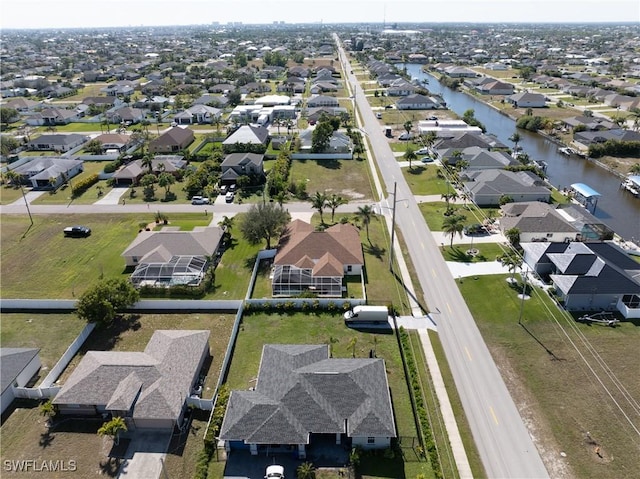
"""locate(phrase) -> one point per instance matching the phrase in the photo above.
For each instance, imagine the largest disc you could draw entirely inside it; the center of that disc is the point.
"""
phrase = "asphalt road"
(505, 446)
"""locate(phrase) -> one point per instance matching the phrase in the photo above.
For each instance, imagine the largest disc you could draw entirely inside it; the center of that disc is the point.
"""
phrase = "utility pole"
(393, 226)
(522, 295)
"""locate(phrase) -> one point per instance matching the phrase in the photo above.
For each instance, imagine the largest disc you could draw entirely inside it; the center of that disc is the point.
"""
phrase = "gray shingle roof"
(175, 243)
(301, 391)
(12, 362)
(162, 375)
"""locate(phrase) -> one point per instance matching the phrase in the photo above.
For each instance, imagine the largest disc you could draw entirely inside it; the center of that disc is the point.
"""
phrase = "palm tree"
(226, 224)
(453, 225)
(281, 196)
(447, 197)
(365, 215)
(352, 345)
(319, 202)
(165, 180)
(306, 471)
(513, 235)
(410, 155)
(113, 429)
(147, 161)
(334, 202)
(516, 139)
(512, 261)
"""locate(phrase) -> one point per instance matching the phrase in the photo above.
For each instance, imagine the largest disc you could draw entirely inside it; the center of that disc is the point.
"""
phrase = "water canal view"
(620, 210)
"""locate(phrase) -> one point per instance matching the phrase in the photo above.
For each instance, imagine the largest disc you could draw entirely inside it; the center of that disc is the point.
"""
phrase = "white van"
(367, 314)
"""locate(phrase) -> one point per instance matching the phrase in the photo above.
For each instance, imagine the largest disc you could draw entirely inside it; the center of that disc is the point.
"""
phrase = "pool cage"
(289, 280)
(179, 270)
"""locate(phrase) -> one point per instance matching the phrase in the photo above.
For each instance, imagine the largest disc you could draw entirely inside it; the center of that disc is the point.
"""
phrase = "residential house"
(477, 158)
(247, 137)
(591, 123)
(319, 87)
(302, 396)
(216, 101)
(322, 100)
(114, 141)
(527, 100)
(488, 187)
(462, 140)
(491, 86)
(171, 141)
(316, 261)
(119, 88)
(57, 142)
(594, 276)
(131, 173)
(23, 105)
(148, 389)
(58, 116)
(585, 138)
(46, 172)
(197, 113)
(314, 114)
(417, 101)
(241, 164)
(168, 257)
(339, 143)
(460, 72)
(447, 128)
(17, 367)
(400, 87)
(538, 221)
(126, 115)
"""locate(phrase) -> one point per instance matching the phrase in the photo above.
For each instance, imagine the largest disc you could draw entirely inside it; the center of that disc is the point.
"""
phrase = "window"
(349, 268)
(371, 440)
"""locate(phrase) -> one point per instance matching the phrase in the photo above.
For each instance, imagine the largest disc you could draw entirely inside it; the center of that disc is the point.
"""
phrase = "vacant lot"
(564, 403)
(424, 180)
(348, 178)
(300, 328)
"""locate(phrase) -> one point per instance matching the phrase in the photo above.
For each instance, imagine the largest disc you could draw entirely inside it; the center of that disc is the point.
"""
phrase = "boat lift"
(586, 196)
(604, 318)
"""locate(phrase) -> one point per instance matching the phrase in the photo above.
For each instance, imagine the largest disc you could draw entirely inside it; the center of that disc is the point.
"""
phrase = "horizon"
(89, 14)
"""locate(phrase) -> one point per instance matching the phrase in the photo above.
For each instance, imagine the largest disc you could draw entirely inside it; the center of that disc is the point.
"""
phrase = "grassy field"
(63, 195)
(70, 265)
(51, 333)
(433, 213)
(300, 328)
(9, 194)
(348, 178)
(554, 389)
(486, 252)
(423, 180)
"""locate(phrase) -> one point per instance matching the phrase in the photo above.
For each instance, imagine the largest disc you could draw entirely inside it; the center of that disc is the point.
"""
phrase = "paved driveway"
(144, 456)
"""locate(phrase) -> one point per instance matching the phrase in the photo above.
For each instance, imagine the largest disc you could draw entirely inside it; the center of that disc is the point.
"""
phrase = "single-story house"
(527, 100)
(247, 135)
(400, 87)
(197, 113)
(126, 114)
(240, 164)
(338, 143)
(465, 139)
(418, 102)
(487, 187)
(114, 141)
(49, 172)
(494, 87)
(171, 141)
(17, 367)
(446, 128)
(316, 261)
(148, 389)
(591, 123)
(586, 138)
(322, 86)
(302, 395)
(23, 105)
(314, 114)
(477, 158)
(594, 276)
(539, 221)
(322, 100)
(57, 142)
(131, 173)
(460, 72)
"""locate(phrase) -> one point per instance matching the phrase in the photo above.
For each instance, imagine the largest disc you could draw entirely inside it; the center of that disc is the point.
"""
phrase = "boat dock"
(585, 195)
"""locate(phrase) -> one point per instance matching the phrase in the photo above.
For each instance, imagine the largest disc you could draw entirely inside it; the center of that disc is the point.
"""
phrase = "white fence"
(199, 403)
(67, 356)
(36, 393)
(322, 156)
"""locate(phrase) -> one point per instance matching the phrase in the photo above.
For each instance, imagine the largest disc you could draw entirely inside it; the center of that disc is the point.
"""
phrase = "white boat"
(631, 186)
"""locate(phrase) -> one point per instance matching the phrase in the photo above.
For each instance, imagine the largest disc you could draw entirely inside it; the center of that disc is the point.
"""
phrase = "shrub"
(81, 186)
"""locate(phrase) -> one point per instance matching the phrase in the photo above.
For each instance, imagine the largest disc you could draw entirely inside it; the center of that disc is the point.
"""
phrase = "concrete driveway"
(145, 455)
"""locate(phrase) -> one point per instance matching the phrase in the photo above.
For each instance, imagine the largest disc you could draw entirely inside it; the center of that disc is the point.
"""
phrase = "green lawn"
(300, 328)
(51, 333)
(9, 194)
(551, 383)
(486, 252)
(433, 213)
(63, 195)
(423, 179)
(348, 178)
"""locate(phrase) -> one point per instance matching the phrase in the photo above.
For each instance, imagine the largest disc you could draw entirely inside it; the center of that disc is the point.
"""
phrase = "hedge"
(81, 186)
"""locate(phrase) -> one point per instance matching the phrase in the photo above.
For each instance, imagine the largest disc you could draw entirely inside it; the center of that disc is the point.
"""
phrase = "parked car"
(77, 231)
(233, 187)
(199, 200)
(274, 472)
(229, 197)
(433, 118)
(475, 229)
(379, 116)
(405, 136)
(422, 151)
(426, 159)
(388, 107)
(222, 189)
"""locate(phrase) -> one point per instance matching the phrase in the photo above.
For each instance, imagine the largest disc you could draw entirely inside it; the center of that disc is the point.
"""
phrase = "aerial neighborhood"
(313, 250)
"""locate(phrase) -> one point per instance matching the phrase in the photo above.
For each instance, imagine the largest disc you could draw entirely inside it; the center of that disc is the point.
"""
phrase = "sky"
(112, 13)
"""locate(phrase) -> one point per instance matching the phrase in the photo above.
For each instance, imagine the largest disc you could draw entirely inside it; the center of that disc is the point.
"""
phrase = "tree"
(8, 115)
(235, 98)
(148, 181)
(94, 147)
(365, 215)
(333, 202)
(319, 202)
(513, 235)
(101, 302)
(408, 126)
(113, 429)
(321, 137)
(453, 225)
(147, 162)
(48, 409)
(264, 222)
(516, 139)
(352, 345)
(512, 261)
(306, 471)
(8, 144)
(410, 156)
(226, 224)
(447, 197)
(165, 180)
(635, 169)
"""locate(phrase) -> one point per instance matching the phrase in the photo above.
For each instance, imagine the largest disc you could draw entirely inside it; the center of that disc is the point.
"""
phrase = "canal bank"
(618, 209)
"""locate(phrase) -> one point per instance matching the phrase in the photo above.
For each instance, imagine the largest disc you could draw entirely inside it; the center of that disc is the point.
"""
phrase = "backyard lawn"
(300, 328)
(553, 388)
(348, 178)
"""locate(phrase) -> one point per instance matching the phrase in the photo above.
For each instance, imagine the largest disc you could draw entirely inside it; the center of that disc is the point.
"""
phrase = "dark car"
(475, 229)
(77, 231)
